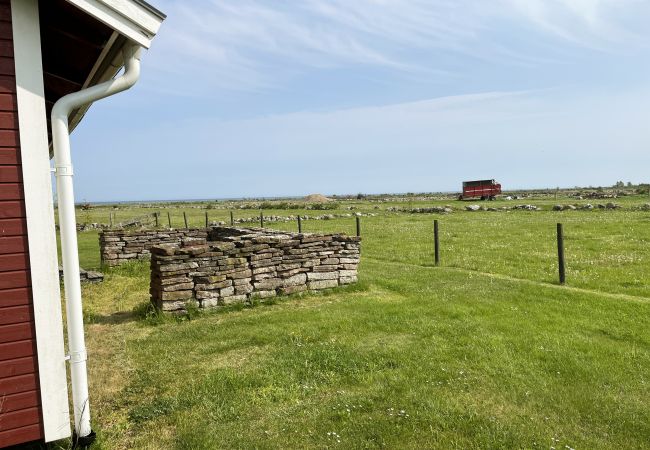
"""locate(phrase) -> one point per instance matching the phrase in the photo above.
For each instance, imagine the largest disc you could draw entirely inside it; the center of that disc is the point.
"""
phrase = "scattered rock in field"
(599, 195)
(588, 206)
(88, 276)
(433, 209)
(503, 208)
(93, 277)
(89, 226)
(611, 205)
(131, 223)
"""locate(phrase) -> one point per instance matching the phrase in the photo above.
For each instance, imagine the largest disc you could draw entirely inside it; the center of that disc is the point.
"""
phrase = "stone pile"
(237, 264)
(86, 276)
(119, 246)
(585, 207)
(90, 226)
(502, 208)
(426, 210)
(291, 218)
(599, 195)
(528, 207)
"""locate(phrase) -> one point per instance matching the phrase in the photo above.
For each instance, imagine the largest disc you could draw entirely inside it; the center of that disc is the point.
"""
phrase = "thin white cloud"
(598, 24)
(257, 44)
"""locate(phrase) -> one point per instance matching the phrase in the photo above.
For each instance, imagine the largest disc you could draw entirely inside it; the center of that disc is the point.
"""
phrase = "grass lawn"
(484, 352)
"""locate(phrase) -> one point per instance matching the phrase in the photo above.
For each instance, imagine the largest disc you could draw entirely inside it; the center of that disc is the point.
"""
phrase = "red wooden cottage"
(56, 58)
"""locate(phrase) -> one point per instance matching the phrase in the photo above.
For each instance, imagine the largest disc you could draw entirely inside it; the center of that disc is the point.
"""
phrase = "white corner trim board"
(124, 16)
(37, 181)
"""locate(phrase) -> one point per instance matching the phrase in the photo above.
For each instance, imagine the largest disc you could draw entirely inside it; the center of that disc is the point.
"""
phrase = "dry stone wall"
(236, 265)
(119, 246)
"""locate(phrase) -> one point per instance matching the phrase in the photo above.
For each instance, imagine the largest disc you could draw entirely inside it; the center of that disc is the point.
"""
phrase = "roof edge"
(135, 19)
(161, 15)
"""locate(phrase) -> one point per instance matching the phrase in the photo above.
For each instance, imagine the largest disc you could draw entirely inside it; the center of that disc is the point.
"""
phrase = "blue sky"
(242, 98)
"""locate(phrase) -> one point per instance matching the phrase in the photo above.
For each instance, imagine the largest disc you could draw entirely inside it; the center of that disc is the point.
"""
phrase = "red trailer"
(483, 189)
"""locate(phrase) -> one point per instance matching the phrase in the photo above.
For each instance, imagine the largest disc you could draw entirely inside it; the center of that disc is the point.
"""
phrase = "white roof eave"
(133, 19)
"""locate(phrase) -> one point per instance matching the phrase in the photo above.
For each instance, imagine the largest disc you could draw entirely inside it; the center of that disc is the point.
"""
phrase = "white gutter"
(68, 227)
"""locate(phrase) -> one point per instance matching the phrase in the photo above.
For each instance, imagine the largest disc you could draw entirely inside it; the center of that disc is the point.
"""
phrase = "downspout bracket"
(77, 357)
(64, 171)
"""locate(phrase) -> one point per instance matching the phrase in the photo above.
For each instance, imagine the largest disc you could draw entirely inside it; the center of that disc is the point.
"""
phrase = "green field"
(487, 351)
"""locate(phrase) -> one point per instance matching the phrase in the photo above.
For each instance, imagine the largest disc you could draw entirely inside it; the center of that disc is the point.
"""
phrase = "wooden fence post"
(299, 224)
(232, 219)
(436, 240)
(560, 253)
(261, 219)
(206, 219)
(155, 215)
(185, 219)
(110, 218)
(358, 226)
(169, 219)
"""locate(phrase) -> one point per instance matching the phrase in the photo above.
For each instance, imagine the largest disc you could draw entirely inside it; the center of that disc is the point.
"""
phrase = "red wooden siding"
(20, 404)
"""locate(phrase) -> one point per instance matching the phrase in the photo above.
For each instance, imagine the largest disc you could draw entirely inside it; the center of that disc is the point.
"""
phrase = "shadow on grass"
(147, 314)
(141, 313)
(117, 318)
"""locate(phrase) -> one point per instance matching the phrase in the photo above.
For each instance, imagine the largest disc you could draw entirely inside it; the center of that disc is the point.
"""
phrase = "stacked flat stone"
(236, 265)
(86, 276)
(119, 246)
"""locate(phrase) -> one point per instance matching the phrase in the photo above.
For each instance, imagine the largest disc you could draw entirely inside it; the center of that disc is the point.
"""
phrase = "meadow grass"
(486, 351)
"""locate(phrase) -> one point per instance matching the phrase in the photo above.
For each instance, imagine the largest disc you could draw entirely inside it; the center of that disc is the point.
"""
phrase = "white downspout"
(68, 227)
